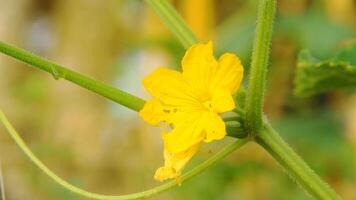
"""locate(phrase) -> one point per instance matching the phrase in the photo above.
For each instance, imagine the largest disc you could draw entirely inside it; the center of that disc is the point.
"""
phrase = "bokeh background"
(105, 148)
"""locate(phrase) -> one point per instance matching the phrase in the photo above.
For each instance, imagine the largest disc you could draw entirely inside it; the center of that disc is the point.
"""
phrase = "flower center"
(208, 105)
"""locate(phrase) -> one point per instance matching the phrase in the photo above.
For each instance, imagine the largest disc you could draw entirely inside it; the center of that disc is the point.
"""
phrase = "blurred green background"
(106, 148)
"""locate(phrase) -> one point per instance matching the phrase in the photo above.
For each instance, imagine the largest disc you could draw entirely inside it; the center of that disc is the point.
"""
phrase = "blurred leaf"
(314, 31)
(314, 76)
(236, 33)
(348, 55)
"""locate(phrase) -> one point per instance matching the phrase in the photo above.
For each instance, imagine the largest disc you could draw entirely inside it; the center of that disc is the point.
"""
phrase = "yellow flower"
(188, 104)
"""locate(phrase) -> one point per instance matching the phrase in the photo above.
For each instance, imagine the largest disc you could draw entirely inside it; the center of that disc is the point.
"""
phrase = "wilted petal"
(174, 163)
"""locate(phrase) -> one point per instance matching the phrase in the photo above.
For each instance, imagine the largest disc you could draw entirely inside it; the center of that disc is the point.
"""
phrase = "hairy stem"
(58, 71)
(139, 195)
(259, 63)
(174, 22)
(270, 140)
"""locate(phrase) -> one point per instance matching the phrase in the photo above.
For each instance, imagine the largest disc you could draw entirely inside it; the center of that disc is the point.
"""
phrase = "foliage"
(314, 76)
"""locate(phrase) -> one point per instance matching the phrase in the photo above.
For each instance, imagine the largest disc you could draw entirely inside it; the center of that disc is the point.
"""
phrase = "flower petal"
(222, 100)
(214, 127)
(187, 131)
(229, 73)
(174, 163)
(170, 87)
(199, 66)
(153, 112)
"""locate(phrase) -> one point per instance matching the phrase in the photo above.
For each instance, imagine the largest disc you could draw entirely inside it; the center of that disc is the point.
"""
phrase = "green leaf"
(314, 76)
(347, 55)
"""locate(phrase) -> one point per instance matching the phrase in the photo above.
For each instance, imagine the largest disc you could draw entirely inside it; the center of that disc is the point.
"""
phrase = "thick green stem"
(259, 63)
(139, 195)
(174, 22)
(298, 170)
(58, 71)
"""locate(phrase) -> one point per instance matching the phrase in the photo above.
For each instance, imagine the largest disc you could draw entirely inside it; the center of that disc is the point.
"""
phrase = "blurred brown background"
(105, 148)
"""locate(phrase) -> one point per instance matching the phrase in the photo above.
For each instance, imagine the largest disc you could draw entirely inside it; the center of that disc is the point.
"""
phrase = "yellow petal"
(174, 163)
(169, 87)
(199, 66)
(222, 100)
(164, 173)
(187, 131)
(229, 73)
(153, 112)
(214, 126)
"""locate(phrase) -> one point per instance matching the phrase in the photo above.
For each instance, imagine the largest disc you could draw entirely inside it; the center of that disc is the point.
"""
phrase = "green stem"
(173, 21)
(58, 71)
(270, 140)
(259, 63)
(139, 195)
(2, 186)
